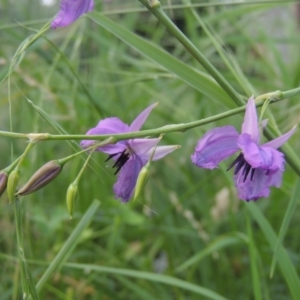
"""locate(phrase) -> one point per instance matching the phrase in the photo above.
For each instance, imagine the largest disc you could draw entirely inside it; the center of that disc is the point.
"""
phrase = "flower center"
(241, 163)
(121, 160)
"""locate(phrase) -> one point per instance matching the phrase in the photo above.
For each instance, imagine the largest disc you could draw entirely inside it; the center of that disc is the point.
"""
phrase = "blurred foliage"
(183, 210)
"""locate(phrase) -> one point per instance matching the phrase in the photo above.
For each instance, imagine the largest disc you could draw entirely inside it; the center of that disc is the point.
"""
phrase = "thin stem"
(28, 148)
(138, 134)
(109, 140)
(76, 181)
(259, 101)
(192, 49)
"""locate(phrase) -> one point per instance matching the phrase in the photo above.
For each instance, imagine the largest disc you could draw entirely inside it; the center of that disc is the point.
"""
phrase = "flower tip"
(71, 197)
(41, 177)
(12, 182)
(141, 181)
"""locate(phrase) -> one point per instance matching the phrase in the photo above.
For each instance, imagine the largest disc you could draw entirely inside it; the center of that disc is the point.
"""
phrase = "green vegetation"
(187, 235)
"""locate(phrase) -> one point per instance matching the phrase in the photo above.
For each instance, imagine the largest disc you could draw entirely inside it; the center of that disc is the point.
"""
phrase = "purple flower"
(70, 11)
(257, 167)
(129, 155)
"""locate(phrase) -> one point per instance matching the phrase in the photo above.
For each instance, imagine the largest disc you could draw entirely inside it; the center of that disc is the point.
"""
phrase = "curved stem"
(157, 11)
(272, 96)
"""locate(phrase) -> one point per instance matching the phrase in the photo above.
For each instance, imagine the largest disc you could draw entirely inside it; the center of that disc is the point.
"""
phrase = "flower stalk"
(14, 176)
(259, 101)
(72, 191)
(49, 171)
(158, 12)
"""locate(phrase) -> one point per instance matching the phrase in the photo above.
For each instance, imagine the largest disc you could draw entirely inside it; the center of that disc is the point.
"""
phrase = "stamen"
(121, 160)
(235, 162)
(111, 156)
(246, 171)
(241, 163)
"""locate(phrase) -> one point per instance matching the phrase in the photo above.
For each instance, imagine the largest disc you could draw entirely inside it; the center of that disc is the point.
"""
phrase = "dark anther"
(235, 161)
(120, 162)
(111, 156)
(241, 163)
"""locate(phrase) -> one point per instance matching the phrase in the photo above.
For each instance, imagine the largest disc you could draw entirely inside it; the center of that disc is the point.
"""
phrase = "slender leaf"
(172, 281)
(286, 266)
(69, 245)
(197, 79)
(285, 223)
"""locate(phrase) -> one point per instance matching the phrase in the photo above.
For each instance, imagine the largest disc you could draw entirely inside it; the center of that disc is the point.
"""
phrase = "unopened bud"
(141, 180)
(3, 182)
(12, 182)
(71, 197)
(41, 177)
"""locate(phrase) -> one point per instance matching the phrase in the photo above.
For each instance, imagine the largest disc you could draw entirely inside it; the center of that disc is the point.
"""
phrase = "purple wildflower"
(130, 156)
(70, 11)
(257, 167)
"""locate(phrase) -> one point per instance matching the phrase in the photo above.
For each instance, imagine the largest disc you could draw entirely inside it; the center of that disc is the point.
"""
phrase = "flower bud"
(141, 180)
(3, 182)
(71, 197)
(41, 177)
(12, 182)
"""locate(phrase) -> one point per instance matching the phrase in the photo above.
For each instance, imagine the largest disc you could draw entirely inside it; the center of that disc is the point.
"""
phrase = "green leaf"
(69, 245)
(286, 266)
(159, 278)
(285, 223)
(197, 79)
(219, 243)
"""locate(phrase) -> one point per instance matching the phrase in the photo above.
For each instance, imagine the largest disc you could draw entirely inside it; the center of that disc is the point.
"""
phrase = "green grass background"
(188, 236)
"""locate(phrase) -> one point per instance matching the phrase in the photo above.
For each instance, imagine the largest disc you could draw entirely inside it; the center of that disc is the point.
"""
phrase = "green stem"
(28, 287)
(12, 165)
(76, 181)
(273, 97)
(109, 140)
(138, 134)
(192, 49)
(28, 148)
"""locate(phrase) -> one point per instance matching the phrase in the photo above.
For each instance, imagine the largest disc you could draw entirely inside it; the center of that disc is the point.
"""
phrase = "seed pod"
(12, 182)
(141, 180)
(41, 177)
(71, 197)
(3, 182)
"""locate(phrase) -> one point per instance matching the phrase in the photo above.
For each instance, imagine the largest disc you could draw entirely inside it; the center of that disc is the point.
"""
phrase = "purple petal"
(142, 146)
(127, 178)
(106, 126)
(216, 145)
(259, 185)
(263, 157)
(141, 118)
(162, 151)
(71, 10)
(278, 142)
(250, 124)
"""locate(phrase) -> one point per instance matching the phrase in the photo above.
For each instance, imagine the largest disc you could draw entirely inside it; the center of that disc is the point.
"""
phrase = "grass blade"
(197, 79)
(287, 268)
(69, 245)
(159, 278)
(285, 224)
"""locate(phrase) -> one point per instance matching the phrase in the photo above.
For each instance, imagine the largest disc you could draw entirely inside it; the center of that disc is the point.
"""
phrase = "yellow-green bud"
(71, 197)
(12, 182)
(3, 182)
(141, 180)
(41, 177)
